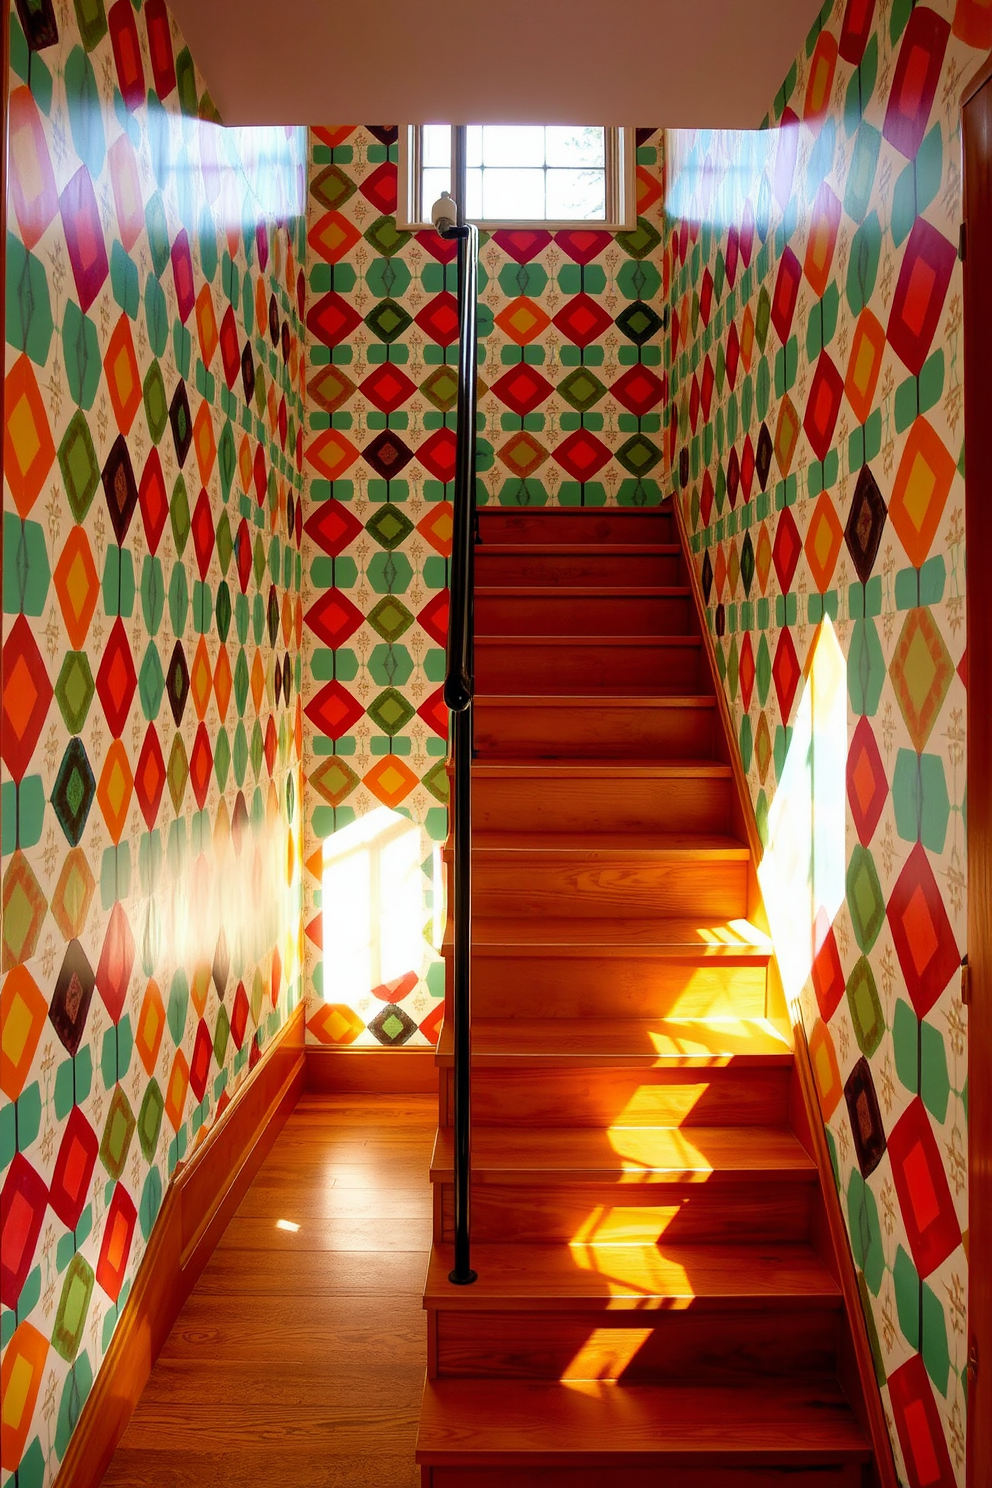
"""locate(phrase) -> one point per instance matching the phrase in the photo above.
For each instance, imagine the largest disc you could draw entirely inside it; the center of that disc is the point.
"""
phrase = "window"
(558, 175)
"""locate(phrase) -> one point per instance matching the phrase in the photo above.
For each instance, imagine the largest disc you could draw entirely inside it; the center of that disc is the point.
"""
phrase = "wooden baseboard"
(371, 1071)
(204, 1193)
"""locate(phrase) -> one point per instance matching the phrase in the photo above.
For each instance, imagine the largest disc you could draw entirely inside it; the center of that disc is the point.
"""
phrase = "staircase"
(656, 1301)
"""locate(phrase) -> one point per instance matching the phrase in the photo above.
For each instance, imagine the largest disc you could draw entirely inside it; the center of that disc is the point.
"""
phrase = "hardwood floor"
(299, 1358)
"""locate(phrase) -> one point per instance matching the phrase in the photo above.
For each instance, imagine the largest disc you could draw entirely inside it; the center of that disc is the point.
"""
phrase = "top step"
(550, 525)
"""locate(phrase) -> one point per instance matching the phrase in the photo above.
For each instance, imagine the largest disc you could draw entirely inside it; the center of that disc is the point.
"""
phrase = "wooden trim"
(371, 1071)
(977, 81)
(858, 1377)
(201, 1199)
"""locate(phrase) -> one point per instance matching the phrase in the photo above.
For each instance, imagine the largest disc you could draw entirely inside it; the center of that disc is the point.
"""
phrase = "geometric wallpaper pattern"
(571, 393)
(816, 431)
(151, 663)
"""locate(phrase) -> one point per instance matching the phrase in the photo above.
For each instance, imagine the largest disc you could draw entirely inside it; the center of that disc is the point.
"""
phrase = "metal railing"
(459, 686)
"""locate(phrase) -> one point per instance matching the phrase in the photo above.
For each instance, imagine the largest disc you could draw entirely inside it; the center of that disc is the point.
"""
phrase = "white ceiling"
(677, 63)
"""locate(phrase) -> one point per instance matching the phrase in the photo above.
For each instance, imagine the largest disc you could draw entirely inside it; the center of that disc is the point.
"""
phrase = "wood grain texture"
(298, 1359)
(203, 1195)
(368, 1071)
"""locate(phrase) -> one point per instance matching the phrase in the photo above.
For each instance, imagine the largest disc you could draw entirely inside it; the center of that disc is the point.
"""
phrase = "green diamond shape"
(257, 749)
(330, 387)
(441, 388)
(79, 466)
(221, 1035)
(385, 237)
(390, 618)
(332, 188)
(224, 542)
(74, 690)
(156, 402)
(222, 758)
(117, 1133)
(642, 241)
(864, 898)
(241, 682)
(177, 772)
(638, 322)
(638, 455)
(387, 320)
(865, 1007)
(334, 780)
(150, 1119)
(391, 712)
(151, 683)
(179, 515)
(581, 389)
(436, 781)
(389, 526)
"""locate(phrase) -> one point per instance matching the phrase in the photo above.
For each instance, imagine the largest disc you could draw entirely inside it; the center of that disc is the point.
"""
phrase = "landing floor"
(299, 1358)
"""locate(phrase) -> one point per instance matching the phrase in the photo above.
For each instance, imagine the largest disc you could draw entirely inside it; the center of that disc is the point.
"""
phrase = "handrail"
(459, 686)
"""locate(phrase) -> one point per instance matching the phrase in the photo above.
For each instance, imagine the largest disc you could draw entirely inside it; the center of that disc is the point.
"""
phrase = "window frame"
(621, 195)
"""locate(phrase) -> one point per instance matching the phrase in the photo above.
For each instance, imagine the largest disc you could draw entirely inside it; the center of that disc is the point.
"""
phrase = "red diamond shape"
(73, 1168)
(27, 695)
(733, 353)
(116, 679)
(730, 257)
(747, 467)
(439, 318)
(434, 713)
(924, 275)
(160, 47)
(431, 1026)
(113, 974)
(239, 1015)
(867, 786)
(116, 1247)
(914, 1408)
(828, 974)
(439, 454)
(199, 1065)
(182, 273)
(387, 387)
(582, 455)
(788, 546)
(380, 188)
(823, 406)
(639, 390)
(746, 670)
(22, 1205)
(229, 349)
(127, 54)
(203, 533)
(149, 777)
(443, 249)
(787, 673)
(334, 712)
(706, 387)
(522, 244)
(920, 1180)
(786, 289)
(332, 527)
(522, 388)
(706, 297)
(434, 617)
(153, 501)
(921, 932)
(258, 475)
(582, 319)
(271, 744)
(84, 237)
(201, 762)
(332, 319)
(243, 554)
(582, 244)
(733, 476)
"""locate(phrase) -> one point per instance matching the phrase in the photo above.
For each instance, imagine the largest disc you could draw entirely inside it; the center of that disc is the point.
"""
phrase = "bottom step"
(608, 1429)
(838, 1475)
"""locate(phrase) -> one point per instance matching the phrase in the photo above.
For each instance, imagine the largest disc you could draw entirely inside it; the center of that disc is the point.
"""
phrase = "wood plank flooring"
(299, 1358)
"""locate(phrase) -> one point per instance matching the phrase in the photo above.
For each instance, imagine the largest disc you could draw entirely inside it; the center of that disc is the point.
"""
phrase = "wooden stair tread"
(679, 846)
(632, 1277)
(628, 1155)
(588, 1422)
(581, 591)
(682, 938)
(668, 702)
(553, 549)
(620, 641)
(616, 768)
(654, 1043)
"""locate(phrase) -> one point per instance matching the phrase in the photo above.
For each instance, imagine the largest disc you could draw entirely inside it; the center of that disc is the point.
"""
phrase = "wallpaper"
(151, 665)
(816, 430)
(571, 395)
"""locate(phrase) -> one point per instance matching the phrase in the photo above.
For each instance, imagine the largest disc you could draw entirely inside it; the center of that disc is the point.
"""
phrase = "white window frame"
(412, 214)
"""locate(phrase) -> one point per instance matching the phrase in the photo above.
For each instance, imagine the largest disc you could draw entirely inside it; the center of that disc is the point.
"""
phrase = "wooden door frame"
(978, 538)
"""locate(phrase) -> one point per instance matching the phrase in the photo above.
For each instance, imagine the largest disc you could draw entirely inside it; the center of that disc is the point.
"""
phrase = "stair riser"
(601, 804)
(612, 571)
(736, 1475)
(540, 731)
(543, 528)
(620, 984)
(578, 666)
(591, 615)
(779, 1338)
(513, 888)
(771, 1208)
(616, 1097)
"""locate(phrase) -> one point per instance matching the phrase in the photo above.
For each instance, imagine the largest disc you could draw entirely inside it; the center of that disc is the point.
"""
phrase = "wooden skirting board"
(371, 1071)
(203, 1195)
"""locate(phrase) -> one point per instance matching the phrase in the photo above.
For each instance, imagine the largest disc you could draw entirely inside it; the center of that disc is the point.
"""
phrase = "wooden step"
(542, 727)
(607, 795)
(537, 1424)
(592, 525)
(662, 1043)
(609, 565)
(576, 969)
(601, 875)
(634, 666)
(540, 611)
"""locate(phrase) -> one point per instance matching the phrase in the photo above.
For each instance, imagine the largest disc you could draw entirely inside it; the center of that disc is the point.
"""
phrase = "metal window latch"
(965, 982)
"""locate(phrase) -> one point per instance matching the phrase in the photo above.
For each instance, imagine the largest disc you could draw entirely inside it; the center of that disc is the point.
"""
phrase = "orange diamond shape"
(175, 1091)
(222, 682)
(864, 364)
(28, 450)
(199, 987)
(333, 236)
(115, 789)
(331, 454)
(73, 894)
(200, 679)
(203, 440)
(437, 526)
(77, 586)
(123, 377)
(151, 1025)
(334, 1023)
(522, 454)
(245, 463)
(826, 1071)
(206, 324)
(823, 542)
(522, 319)
(920, 490)
(763, 558)
(257, 681)
(390, 780)
(23, 1011)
